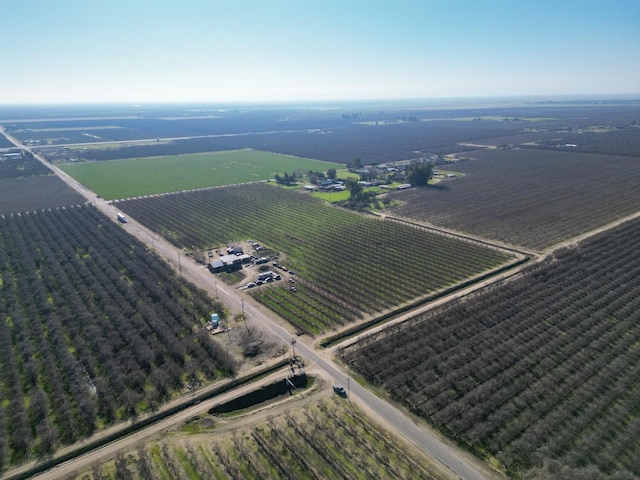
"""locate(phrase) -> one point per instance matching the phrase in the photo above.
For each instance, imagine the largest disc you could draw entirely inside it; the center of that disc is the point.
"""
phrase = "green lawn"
(134, 177)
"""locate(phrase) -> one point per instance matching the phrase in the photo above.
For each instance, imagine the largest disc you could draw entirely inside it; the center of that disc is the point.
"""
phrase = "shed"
(216, 266)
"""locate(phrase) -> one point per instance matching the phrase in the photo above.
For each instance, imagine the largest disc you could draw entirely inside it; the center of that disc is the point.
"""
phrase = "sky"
(138, 51)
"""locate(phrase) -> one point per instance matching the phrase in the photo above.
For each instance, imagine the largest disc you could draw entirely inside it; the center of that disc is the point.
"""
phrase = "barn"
(228, 263)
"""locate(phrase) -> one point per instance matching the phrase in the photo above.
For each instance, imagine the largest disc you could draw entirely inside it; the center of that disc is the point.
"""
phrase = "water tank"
(214, 320)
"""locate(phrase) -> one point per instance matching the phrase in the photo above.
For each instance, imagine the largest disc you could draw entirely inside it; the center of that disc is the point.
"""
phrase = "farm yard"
(95, 329)
(347, 265)
(526, 197)
(541, 370)
(301, 443)
(147, 176)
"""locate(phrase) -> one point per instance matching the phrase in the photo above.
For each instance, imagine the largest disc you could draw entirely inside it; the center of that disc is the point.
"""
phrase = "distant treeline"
(617, 142)
(25, 166)
(372, 144)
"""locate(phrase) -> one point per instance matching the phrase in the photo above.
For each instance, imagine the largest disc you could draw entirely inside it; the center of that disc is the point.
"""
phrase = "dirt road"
(85, 461)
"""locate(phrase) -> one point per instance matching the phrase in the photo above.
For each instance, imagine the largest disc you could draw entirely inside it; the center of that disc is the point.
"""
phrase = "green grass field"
(134, 177)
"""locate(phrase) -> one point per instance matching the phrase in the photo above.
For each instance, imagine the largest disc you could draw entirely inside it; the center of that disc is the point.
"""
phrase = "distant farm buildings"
(11, 155)
(328, 185)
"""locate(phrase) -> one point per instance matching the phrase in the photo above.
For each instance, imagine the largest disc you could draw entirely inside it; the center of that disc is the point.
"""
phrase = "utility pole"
(293, 347)
(244, 318)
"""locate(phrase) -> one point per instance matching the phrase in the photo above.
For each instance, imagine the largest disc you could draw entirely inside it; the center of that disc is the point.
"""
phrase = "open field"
(328, 438)
(528, 197)
(94, 329)
(545, 368)
(347, 265)
(147, 176)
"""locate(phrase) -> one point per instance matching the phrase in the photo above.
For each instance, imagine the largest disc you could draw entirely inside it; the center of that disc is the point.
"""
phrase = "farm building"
(217, 266)
(227, 263)
(331, 185)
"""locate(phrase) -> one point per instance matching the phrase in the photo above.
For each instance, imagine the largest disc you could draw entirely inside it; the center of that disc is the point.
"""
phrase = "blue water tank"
(214, 320)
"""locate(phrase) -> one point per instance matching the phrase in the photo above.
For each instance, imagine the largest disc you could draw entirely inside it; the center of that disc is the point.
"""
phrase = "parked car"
(251, 285)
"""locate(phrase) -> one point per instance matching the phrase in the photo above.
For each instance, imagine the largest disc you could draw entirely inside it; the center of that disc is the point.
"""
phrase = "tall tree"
(419, 174)
(355, 189)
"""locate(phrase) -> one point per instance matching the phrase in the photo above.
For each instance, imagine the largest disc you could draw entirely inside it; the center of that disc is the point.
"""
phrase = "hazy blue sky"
(270, 50)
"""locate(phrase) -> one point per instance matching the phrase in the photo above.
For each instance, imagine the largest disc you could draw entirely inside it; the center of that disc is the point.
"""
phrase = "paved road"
(85, 461)
(458, 461)
(162, 139)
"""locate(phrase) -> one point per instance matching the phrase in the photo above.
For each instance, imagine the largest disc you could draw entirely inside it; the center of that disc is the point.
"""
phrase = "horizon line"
(512, 97)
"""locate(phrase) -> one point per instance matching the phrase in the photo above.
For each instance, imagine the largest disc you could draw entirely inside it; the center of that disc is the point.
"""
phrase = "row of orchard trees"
(544, 368)
(94, 328)
(25, 166)
(364, 263)
(327, 440)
